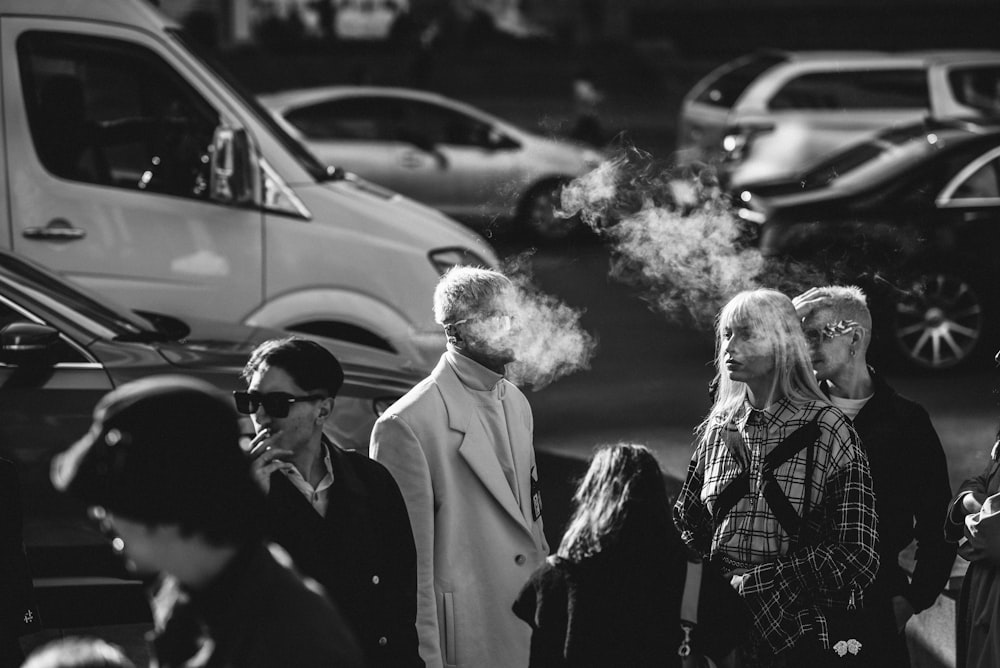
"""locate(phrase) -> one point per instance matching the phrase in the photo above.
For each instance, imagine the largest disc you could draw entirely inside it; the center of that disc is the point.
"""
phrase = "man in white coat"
(460, 447)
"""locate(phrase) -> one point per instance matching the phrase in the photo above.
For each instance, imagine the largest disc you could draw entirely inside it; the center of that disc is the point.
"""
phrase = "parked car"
(136, 168)
(62, 348)
(442, 152)
(769, 114)
(913, 215)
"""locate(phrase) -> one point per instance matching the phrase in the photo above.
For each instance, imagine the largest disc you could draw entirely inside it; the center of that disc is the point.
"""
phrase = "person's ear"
(453, 335)
(325, 408)
(858, 336)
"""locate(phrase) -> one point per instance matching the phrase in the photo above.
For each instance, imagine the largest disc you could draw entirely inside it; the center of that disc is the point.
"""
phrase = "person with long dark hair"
(611, 596)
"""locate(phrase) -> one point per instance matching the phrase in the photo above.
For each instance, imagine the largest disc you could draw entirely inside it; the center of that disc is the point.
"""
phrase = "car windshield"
(74, 304)
(317, 169)
(727, 87)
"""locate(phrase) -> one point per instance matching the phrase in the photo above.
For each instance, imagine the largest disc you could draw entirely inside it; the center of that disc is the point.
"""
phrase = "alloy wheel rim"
(940, 323)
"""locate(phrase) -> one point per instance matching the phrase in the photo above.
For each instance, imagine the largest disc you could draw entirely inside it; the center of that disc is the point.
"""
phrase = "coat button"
(375, 579)
(383, 641)
(519, 560)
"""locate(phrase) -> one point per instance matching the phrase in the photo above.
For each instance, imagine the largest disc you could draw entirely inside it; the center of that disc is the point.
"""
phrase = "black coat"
(623, 609)
(912, 495)
(362, 553)
(18, 613)
(258, 613)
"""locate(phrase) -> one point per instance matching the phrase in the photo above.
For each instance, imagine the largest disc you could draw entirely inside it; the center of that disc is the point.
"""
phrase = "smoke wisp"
(543, 336)
(675, 237)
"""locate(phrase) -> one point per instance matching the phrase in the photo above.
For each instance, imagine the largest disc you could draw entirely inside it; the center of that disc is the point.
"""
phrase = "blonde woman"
(778, 492)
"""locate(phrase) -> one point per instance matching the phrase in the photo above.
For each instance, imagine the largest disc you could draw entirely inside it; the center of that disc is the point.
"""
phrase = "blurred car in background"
(62, 348)
(447, 154)
(771, 113)
(912, 214)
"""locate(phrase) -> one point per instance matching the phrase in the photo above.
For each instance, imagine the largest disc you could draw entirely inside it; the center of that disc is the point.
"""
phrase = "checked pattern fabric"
(833, 555)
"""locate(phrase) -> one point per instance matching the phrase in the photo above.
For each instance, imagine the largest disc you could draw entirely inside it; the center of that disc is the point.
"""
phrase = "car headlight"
(444, 259)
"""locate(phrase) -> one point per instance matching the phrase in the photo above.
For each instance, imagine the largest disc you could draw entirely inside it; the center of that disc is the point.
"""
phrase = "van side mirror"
(27, 343)
(231, 175)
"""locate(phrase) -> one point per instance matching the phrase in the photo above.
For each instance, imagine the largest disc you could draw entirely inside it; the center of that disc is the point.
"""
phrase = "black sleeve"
(934, 555)
(542, 604)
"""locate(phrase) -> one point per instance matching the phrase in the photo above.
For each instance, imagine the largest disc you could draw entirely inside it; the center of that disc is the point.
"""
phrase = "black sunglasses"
(276, 404)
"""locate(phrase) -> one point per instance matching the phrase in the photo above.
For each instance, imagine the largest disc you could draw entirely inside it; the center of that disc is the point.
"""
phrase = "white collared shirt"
(319, 496)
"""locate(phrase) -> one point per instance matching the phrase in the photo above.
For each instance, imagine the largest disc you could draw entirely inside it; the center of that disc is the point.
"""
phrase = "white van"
(134, 166)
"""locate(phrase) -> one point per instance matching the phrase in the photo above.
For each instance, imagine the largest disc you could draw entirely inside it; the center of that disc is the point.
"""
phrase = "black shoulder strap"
(739, 487)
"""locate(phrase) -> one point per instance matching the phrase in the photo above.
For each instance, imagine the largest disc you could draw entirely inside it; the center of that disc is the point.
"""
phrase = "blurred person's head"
(162, 469)
(837, 325)
(621, 501)
(291, 387)
(476, 308)
(78, 652)
(761, 354)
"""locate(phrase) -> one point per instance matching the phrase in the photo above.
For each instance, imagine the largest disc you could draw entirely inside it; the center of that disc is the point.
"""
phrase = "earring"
(852, 351)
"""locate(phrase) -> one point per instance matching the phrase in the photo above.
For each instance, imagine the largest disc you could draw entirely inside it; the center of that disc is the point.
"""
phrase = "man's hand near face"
(268, 457)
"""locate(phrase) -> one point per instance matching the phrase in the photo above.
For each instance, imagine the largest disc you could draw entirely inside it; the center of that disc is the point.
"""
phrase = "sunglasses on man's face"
(276, 404)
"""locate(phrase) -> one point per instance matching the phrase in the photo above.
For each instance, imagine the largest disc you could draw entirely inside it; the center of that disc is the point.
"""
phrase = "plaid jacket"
(835, 555)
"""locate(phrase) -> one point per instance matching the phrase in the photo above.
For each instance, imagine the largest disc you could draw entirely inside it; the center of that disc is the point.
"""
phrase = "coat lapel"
(476, 448)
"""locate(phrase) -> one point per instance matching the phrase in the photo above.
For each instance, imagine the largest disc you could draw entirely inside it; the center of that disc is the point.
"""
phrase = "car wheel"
(538, 214)
(938, 320)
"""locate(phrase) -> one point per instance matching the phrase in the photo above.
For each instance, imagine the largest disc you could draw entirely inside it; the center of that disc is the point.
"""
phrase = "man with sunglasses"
(908, 466)
(339, 514)
(460, 447)
(162, 470)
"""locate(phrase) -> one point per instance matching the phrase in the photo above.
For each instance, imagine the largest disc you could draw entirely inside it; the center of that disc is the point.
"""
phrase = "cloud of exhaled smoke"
(545, 337)
(675, 236)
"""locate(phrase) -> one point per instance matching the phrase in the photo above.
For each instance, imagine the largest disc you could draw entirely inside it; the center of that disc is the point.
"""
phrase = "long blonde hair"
(770, 314)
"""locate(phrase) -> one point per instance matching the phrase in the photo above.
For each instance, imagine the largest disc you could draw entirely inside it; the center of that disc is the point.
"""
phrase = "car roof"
(285, 100)
(128, 12)
(926, 56)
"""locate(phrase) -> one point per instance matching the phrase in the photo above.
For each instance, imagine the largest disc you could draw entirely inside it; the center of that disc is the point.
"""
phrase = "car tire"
(937, 320)
(538, 215)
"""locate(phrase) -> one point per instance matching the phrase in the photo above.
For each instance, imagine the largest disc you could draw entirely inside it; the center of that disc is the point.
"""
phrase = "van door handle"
(58, 229)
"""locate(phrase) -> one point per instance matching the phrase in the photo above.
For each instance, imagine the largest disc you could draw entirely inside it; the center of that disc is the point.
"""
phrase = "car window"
(110, 112)
(439, 125)
(62, 352)
(977, 87)
(361, 118)
(983, 183)
(727, 87)
(846, 91)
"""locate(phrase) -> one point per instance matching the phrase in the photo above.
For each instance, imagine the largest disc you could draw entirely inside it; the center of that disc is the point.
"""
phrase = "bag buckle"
(685, 649)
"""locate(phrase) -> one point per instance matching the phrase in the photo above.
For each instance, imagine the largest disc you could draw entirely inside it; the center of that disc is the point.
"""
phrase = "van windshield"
(316, 169)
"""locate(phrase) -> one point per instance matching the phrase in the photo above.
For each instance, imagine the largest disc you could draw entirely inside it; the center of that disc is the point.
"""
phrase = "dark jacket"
(912, 493)
(624, 610)
(18, 614)
(973, 618)
(362, 553)
(258, 614)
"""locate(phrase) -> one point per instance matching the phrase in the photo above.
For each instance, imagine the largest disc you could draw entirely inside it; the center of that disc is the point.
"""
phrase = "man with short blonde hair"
(460, 446)
(908, 465)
